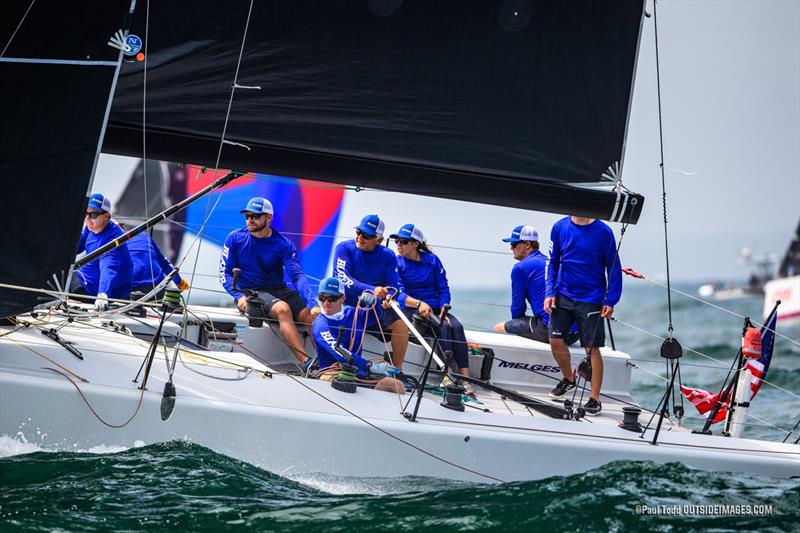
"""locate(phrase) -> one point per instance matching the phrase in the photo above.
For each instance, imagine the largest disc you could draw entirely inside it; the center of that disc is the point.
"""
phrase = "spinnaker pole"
(144, 226)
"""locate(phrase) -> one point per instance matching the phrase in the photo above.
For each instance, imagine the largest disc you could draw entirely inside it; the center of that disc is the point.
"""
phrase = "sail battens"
(58, 62)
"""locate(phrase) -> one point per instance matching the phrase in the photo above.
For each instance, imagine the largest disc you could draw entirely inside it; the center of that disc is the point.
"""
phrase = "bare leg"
(500, 327)
(562, 357)
(464, 371)
(597, 372)
(283, 314)
(399, 341)
(304, 316)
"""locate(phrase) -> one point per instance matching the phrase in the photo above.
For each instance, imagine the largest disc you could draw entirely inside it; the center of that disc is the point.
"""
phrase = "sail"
(790, 265)
(507, 102)
(58, 74)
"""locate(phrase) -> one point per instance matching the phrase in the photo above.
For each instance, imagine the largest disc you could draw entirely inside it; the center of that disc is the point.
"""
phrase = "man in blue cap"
(108, 276)
(583, 284)
(527, 284)
(335, 326)
(263, 255)
(150, 267)
(363, 264)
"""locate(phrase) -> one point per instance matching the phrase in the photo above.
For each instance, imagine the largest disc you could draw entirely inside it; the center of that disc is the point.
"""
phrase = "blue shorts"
(586, 315)
(530, 327)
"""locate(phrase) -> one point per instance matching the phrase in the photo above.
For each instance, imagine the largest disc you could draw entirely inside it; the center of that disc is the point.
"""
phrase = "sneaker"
(561, 389)
(592, 407)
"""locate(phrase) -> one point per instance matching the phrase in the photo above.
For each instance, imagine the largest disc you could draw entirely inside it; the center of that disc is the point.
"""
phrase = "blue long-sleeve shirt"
(325, 331)
(111, 272)
(582, 258)
(149, 264)
(527, 283)
(262, 261)
(425, 279)
(363, 271)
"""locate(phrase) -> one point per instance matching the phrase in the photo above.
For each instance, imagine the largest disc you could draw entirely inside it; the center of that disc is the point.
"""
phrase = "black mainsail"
(507, 102)
(517, 103)
(57, 74)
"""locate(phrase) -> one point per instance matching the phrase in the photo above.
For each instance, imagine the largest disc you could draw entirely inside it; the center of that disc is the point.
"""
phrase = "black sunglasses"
(328, 298)
(253, 216)
(94, 214)
(368, 236)
(403, 241)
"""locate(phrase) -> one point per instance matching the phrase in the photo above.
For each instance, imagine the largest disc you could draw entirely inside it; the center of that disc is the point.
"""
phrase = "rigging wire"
(17, 28)
(144, 130)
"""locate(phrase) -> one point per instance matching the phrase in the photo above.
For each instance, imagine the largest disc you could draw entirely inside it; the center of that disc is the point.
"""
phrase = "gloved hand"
(383, 369)
(184, 285)
(101, 303)
(367, 299)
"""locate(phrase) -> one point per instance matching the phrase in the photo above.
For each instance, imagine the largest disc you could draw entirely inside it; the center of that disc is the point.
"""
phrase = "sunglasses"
(328, 298)
(403, 241)
(253, 216)
(368, 236)
(94, 214)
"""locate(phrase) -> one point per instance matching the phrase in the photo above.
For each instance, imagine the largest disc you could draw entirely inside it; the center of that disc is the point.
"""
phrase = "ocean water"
(183, 486)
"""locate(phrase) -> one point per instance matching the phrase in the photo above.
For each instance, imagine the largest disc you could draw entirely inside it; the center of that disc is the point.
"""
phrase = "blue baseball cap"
(99, 202)
(332, 286)
(258, 205)
(372, 225)
(409, 231)
(523, 233)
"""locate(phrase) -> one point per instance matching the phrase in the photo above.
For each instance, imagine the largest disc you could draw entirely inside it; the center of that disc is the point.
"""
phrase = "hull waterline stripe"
(605, 437)
(58, 62)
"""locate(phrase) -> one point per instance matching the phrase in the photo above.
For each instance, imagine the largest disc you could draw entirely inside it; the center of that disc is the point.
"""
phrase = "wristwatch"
(419, 302)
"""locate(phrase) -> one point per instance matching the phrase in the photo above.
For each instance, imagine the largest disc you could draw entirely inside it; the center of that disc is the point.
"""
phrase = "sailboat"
(786, 285)
(488, 104)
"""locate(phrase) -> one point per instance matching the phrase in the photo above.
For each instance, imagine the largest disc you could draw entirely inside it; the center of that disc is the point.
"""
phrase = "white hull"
(299, 427)
(787, 290)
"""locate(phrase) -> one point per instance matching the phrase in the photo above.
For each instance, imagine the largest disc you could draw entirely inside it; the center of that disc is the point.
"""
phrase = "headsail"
(58, 73)
(502, 102)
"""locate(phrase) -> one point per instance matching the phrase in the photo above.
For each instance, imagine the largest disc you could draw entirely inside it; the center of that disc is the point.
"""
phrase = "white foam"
(18, 445)
(10, 446)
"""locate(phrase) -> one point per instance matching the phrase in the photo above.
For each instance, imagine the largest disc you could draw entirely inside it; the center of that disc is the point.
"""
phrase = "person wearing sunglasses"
(425, 281)
(108, 276)
(336, 317)
(363, 264)
(264, 255)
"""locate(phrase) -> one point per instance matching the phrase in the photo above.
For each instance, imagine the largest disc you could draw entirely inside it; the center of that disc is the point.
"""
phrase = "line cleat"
(561, 389)
(592, 407)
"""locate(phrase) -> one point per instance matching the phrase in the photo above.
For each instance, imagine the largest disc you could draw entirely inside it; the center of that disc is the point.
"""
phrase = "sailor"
(583, 281)
(344, 324)
(108, 276)
(425, 283)
(263, 254)
(364, 264)
(150, 266)
(528, 288)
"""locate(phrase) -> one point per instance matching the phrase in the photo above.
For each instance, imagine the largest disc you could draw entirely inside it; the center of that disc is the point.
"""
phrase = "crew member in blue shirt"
(263, 254)
(583, 284)
(363, 264)
(527, 288)
(425, 282)
(150, 266)
(108, 276)
(337, 317)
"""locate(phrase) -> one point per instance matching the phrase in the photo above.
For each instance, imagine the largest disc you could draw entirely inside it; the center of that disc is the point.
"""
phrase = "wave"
(183, 485)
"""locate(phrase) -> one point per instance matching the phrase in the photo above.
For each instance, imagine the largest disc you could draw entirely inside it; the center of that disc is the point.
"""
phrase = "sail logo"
(129, 44)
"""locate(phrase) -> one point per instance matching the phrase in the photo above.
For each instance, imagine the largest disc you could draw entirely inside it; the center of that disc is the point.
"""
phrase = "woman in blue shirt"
(425, 279)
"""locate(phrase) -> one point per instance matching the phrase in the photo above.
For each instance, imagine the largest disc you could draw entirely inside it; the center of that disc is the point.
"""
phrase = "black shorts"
(285, 294)
(530, 327)
(586, 315)
(388, 317)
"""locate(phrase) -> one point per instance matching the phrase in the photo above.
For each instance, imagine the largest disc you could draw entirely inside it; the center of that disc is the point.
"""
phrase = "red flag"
(705, 401)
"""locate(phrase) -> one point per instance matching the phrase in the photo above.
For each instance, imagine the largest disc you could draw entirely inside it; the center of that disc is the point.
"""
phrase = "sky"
(730, 85)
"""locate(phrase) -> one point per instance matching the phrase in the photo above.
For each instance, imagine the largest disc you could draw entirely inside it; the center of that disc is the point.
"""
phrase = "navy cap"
(409, 231)
(372, 225)
(99, 202)
(523, 233)
(332, 286)
(258, 205)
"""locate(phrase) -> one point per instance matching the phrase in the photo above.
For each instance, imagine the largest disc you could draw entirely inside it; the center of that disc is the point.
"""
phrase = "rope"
(17, 28)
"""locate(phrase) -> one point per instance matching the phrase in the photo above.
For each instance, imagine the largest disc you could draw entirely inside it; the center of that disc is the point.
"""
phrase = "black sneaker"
(592, 407)
(561, 389)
